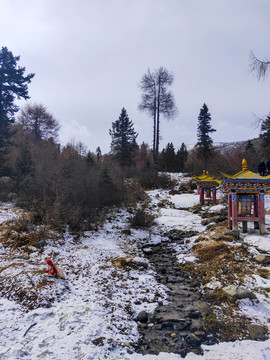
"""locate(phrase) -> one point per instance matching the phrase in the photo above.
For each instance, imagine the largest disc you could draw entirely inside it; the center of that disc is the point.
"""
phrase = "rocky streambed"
(177, 326)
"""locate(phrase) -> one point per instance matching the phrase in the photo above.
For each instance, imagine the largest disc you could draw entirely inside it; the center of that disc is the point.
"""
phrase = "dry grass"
(23, 234)
(218, 259)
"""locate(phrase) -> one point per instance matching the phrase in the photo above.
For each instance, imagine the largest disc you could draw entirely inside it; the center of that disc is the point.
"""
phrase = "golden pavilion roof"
(205, 178)
(245, 174)
(245, 181)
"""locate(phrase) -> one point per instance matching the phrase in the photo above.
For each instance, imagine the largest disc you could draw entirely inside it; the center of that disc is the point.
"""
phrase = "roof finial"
(244, 164)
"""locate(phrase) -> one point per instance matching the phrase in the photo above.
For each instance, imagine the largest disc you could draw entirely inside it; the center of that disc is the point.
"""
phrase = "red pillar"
(234, 211)
(229, 210)
(214, 195)
(201, 195)
(256, 210)
(261, 213)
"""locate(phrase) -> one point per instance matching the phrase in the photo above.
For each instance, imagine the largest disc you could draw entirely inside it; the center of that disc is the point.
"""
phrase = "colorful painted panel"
(245, 205)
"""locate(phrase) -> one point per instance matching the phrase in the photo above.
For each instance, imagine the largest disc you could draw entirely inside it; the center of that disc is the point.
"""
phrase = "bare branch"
(259, 67)
(257, 123)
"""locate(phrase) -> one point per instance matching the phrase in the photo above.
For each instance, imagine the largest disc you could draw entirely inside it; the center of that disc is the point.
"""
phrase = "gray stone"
(142, 317)
(41, 244)
(172, 316)
(183, 324)
(193, 340)
(257, 332)
(194, 314)
(196, 325)
(238, 293)
(263, 259)
(99, 341)
(200, 334)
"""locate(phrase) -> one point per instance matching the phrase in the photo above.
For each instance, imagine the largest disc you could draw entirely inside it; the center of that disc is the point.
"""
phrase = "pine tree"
(265, 133)
(205, 143)
(13, 84)
(98, 154)
(123, 143)
(169, 157)
(90, 160)
(25, 163)
(181, 157)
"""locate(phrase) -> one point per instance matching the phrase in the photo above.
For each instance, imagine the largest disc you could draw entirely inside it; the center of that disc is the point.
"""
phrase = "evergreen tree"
(13, 84)
(181, 157)
(90, 159)
(25, 163)
(98, 154)
(265, 133)
(123, 143)
(205, 143)
(162, 161)
(169, 157)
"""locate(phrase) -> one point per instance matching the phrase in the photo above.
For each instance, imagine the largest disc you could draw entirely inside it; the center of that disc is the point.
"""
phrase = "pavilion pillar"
(244, 226)
(234, 211)
(214, 195)
(201, 195)
(261, 212)
(256, 211)
(229, 211)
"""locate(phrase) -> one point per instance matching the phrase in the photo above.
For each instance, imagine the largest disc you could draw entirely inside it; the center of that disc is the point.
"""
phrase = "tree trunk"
(158, 121)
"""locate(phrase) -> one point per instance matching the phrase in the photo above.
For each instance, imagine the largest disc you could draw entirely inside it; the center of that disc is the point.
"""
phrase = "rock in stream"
(175, 327)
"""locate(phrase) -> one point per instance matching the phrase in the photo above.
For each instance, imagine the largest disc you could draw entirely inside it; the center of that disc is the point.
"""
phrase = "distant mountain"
(228, 147)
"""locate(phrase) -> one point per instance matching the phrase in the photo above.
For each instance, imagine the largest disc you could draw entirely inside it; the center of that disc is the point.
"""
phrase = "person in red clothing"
(52, 271)
(55, 270)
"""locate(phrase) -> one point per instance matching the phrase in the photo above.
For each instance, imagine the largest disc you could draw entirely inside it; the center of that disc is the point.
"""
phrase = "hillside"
(228, 147)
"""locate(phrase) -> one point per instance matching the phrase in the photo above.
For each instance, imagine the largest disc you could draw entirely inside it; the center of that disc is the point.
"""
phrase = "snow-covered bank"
(109, 281)
(94, 317)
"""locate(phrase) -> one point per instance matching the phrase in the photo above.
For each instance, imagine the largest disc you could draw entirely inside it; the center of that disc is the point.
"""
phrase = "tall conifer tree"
(205, 142)
(181, 157)
(13, 84)
(123, 143)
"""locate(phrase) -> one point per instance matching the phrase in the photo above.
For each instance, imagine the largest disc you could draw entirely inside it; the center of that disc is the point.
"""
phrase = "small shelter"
(206, 187)
(246, 198)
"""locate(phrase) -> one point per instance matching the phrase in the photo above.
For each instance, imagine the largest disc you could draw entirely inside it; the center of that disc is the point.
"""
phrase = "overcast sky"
(89, 56)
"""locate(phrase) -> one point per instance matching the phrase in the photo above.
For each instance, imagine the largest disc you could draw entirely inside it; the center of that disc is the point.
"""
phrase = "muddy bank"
(178, 326)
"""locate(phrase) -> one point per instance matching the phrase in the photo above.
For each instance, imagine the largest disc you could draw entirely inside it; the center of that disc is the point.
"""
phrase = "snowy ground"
(108, 283)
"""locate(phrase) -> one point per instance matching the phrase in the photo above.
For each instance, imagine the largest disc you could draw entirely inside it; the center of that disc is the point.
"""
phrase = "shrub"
(142, 219)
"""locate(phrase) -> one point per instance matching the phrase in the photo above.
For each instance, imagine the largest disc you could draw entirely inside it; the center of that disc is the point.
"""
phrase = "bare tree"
(37, 121)
(258, 66)
(157, 100)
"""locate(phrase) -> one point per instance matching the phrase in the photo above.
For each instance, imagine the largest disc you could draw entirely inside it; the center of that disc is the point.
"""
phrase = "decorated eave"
(206, 181)
(245, 181)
